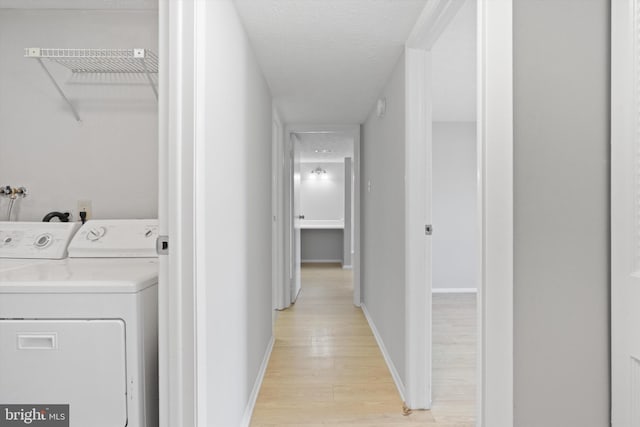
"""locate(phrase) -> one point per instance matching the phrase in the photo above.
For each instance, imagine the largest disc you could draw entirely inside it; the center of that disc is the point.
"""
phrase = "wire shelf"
(96, 62)
(100, 60)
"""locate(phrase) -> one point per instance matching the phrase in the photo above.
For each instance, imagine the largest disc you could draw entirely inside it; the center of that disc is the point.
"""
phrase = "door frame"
(277, 231)
(287, 223)
(180, 303)
(495, 207)
(624, 167)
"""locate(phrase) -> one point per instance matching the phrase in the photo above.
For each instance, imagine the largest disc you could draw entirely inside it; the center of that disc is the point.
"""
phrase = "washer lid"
(117, 275)
(7, 264)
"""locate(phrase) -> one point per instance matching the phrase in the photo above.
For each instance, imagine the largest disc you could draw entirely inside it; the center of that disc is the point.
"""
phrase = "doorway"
(494, 223)
(455, 215)
(321, 201)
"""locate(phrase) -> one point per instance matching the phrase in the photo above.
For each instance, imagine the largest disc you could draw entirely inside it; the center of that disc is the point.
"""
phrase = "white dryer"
(82, 331)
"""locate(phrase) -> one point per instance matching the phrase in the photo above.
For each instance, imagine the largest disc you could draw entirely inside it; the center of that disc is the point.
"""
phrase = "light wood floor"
(326, 367)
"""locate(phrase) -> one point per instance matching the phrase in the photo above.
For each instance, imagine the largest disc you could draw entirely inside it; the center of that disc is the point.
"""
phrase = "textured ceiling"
(454, 68)
(326, 61)
(78, 4)
(324, 147)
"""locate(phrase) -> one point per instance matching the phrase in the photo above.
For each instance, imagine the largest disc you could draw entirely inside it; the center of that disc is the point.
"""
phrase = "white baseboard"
(454, 290)
(248, 413)
(347, 267)
(322, 261)
(385, 354)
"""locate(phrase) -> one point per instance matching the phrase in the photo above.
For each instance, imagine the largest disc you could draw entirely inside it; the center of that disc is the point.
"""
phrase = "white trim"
(624, 229)
(253, 398)
(322, 261)
(280, 300)
(432, 22)
(418, 340)
(199, 224)
(355, 250)
(454, 290)
(180, 304)
(495, 201)
(347, 267)
(164, 295)
(392, 368)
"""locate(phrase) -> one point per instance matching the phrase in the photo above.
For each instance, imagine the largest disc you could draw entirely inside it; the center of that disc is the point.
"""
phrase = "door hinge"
(428, 229)
(162, 245)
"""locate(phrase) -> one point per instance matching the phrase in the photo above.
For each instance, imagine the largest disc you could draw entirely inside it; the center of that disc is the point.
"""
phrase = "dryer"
(80, 334)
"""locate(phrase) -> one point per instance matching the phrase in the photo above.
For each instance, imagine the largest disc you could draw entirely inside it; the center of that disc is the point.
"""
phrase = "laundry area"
(78, 213)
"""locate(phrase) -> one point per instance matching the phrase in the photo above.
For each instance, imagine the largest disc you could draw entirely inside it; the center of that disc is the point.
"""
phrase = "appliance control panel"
(36, 240)
(116, 238)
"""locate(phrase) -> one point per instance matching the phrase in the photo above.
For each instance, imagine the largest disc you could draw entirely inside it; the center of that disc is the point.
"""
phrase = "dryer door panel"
(77, 362)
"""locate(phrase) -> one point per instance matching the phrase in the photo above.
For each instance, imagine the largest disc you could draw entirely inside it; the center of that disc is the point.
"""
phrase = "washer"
(82, 331)
(28, 243)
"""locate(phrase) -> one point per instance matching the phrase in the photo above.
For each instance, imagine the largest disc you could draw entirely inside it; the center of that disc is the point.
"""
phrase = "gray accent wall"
(382, 218)
(561, 236)
(321, 245)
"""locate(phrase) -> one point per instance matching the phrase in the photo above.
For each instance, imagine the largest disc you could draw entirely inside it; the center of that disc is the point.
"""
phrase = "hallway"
(326, 367)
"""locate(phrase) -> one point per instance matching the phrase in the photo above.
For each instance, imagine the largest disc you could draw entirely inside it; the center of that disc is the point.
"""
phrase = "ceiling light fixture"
(318, 171)
(323, 151)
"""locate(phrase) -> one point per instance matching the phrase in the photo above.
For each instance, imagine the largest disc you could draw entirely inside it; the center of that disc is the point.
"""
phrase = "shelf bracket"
(60, 91)
(140, 54)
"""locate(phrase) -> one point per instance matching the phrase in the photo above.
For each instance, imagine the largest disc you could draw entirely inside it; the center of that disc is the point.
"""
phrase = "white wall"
(236, 226)
(454, 205)
(383, 219)
(322, 196)
(111, 158)
(561, 213)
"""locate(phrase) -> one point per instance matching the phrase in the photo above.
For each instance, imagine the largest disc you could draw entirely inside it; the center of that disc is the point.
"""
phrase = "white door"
(418, 229)
(625, 214)
(297, 216)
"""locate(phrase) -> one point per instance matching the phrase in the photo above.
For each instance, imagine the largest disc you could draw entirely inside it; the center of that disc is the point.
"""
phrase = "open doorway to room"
(455, 258)
(321, 201)
(325, 205)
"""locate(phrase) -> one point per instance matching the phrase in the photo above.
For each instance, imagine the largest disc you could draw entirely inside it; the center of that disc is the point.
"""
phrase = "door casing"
(495, 207)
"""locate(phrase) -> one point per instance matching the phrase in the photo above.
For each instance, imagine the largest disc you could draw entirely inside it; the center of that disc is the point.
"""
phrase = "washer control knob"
(43, 240)
(96, 233)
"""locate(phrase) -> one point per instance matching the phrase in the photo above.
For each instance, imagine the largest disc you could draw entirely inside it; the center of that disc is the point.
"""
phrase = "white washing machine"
(82, 331)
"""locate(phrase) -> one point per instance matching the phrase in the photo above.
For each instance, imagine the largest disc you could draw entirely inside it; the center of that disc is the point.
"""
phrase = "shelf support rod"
(146, 72)
(60, 91)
